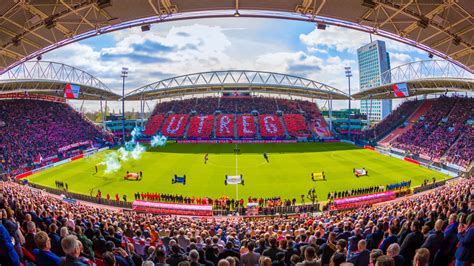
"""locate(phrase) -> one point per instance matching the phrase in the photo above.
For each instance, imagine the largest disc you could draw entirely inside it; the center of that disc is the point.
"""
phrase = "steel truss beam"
(206, 82)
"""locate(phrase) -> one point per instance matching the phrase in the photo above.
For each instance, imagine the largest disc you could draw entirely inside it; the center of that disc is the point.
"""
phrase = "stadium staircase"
(419, 112)
(213, 132)
(443, 157)
(236, 135)
(398, 123)
(308, 124)
(257, 127)
(185, 134)
(284, 127)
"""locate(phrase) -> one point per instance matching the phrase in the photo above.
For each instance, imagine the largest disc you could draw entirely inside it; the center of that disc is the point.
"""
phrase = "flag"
(38, 159)
(400, 90)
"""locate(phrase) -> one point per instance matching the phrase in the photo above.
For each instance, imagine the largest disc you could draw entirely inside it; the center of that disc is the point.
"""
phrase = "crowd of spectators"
(295, 112)
(462, 152)
(200, 126)
(246, 126)
(433, 135)
(35, 128)
(237, 105)
(400, 114)
(296, 125)
(153, 124)
(434, 228)
(174, 125)
(225, 124)
(270, 126)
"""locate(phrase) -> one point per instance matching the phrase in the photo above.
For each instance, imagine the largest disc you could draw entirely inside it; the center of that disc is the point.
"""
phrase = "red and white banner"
(172, 208)
(75, 145)
(174, 125)
(383, 195)
(241, 141)
(225, 126)
(246, 126)
(320, 127)
(200, 126)
(270, 126)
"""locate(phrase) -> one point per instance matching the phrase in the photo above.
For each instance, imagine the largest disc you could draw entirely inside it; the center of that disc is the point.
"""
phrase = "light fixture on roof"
(368, 3)
(423, 22)
(49, 23)
(430, 55)
(236, 14)
(321, 26)
(145, 27)
(39, 57)
(104, 3)
(16, 41)
(457, 40)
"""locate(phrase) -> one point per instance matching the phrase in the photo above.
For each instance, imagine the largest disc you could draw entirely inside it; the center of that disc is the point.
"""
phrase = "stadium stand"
(246, 126)
(300, 118)
(438, 223)
(153, 124)
(270, 126)
(296, 125)
(34, 131)
(435, 132)
(200, 126)
(462, 151)
(394, 119)
(175, 125)
(421, 111)
(225, 126)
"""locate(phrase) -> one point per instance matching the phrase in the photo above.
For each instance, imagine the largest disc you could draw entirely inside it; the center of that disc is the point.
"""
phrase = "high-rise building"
(373, 61)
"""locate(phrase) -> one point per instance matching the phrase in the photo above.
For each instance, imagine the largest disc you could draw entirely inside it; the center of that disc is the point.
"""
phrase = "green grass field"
(287, 175)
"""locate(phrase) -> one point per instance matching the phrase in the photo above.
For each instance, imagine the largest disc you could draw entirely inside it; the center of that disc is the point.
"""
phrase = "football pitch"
(288, 174)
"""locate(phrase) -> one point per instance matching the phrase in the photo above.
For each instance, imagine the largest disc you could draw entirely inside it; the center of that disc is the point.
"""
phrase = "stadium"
(235, 166)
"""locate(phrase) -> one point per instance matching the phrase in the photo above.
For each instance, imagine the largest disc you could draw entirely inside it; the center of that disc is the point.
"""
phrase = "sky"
(176, 48)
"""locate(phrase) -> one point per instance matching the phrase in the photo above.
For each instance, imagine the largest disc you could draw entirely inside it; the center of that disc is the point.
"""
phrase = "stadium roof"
(218, 81)
(50, 78)
(441, 27)
(421, 77)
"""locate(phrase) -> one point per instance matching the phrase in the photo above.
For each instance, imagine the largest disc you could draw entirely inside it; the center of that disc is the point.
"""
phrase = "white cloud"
(348, 40)
(181, 48)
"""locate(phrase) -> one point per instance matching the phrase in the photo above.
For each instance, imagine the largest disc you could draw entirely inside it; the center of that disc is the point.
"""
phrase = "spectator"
(43, 255)
(422, 257)
(362, 256)
(390, 239)
(272, 250)
(310, 258)
(72, 249)
(394, 252)
(435, 240)
(250, 258)
(412, 242)
(385, 260)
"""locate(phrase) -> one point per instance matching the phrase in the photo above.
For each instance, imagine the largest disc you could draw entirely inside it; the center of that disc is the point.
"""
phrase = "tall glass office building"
(373, 61)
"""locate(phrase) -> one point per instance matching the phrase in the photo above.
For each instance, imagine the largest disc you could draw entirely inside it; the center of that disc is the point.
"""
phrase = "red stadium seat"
(270, 126)
(200, 126)
(174, 125)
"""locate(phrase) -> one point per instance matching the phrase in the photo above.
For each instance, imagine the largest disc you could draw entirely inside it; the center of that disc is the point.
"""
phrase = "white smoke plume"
(131, 150)
(158, 141)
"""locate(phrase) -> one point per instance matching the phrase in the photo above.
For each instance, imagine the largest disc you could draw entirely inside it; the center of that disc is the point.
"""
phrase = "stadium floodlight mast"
(123, 75)
(349, 75)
